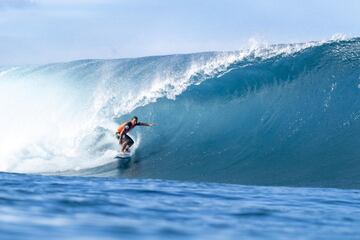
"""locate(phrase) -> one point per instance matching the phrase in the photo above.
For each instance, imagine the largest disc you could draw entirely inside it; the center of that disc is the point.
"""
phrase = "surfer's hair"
(135, 117)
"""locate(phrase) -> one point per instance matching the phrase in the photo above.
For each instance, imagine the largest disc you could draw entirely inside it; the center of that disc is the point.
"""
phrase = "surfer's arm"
(124, 131)
(145, 124)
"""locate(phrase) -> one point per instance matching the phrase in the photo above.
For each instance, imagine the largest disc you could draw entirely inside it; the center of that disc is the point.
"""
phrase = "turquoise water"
(43, 207)
(228, 124)
(282, 115)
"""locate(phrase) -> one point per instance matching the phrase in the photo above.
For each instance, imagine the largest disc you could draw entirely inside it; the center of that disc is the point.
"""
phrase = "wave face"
(278, 115)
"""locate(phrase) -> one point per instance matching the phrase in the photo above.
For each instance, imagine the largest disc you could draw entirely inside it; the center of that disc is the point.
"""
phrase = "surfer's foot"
(126, 150)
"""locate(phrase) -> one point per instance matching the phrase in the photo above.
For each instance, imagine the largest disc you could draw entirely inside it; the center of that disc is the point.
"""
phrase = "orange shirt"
(123, 125)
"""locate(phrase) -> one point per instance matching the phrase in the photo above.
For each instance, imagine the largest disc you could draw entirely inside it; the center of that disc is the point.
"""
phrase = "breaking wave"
(277, 115)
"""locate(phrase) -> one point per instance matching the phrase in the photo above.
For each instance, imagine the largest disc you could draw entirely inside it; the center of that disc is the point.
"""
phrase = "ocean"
(53, 207)
(259, 143)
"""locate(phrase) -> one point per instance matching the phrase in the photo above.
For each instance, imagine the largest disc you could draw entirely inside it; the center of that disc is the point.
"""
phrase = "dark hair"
(135, 117)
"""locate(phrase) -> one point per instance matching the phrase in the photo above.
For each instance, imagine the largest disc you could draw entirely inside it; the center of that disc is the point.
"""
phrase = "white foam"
(171, 84)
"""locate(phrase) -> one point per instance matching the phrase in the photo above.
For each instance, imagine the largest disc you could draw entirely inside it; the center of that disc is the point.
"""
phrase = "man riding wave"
(121, 134)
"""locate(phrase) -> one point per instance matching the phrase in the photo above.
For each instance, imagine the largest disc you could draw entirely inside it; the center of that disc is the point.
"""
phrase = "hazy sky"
(42, 31)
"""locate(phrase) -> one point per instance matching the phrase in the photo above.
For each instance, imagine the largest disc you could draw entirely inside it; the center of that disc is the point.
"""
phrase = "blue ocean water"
(228, 124)
(45, 207)
(279, 115)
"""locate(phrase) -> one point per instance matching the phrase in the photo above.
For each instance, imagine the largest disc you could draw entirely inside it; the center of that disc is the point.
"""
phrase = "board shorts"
(125, 139)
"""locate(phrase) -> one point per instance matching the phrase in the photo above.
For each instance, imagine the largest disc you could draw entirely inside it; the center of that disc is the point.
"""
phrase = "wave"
(275, 115)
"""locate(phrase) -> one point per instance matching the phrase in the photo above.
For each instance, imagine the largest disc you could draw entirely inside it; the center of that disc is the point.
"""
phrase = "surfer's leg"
(128, 142)
(127, 148)
(123, 143)
(123, 147)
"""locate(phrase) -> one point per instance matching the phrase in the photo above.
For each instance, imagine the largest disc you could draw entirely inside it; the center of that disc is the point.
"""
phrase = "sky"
(45, 31)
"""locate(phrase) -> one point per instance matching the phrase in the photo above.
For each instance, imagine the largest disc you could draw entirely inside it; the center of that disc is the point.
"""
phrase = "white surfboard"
(123, 155)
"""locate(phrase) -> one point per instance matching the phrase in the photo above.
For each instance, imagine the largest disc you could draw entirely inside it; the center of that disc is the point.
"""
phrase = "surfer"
(121, 134)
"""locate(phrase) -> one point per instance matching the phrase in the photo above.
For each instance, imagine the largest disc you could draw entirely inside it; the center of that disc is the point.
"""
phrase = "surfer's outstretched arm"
(145, 124)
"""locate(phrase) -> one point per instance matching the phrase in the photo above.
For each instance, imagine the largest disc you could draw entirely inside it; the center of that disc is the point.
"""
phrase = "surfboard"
(123, 155)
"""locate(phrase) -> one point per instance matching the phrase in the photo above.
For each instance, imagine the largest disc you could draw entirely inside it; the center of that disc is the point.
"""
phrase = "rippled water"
(33, 207)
